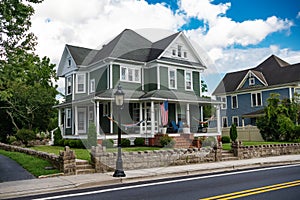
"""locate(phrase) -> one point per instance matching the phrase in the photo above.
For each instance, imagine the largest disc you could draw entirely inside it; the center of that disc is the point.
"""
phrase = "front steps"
(227, 155)
(83, 167)
(183, 141)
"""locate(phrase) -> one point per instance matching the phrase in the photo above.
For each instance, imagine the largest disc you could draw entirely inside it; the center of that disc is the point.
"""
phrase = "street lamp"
(119, 99)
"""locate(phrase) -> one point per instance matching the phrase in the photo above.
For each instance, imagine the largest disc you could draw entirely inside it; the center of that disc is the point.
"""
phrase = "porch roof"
(254, 114)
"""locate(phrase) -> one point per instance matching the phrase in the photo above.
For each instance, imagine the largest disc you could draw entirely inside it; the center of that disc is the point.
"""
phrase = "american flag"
(164, 113)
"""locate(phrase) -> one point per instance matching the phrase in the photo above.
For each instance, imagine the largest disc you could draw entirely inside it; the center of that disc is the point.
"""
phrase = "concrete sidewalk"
(60, 183)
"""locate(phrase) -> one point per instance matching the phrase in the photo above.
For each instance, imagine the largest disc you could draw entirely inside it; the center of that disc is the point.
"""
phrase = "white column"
(97, 118)
(201, 113)
(152, 118)
(76, 120)
(158, 77)
(111, 115)
(73, 87)
(188, 119)
(219, 120)
(59, 117)
(141, 118)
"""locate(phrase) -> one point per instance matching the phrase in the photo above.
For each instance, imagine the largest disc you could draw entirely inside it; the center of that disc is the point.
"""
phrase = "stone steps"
(83, 167)
(227, 155)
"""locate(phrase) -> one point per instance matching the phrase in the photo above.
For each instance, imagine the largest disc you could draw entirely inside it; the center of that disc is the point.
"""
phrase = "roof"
(272, 71)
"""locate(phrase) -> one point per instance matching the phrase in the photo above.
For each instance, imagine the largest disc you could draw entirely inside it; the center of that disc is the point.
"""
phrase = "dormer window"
(251, 81)
(185, 54)
(179, 49)
(69, 62)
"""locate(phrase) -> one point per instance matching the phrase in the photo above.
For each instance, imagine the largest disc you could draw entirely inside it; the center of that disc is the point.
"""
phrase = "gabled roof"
(272, 71)
(79, 54)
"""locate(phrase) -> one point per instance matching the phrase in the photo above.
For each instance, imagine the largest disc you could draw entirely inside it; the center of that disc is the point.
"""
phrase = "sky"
(231, 35)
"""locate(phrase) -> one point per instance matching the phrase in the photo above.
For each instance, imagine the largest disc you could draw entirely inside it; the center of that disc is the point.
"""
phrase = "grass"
(227, 146)
(32, 164)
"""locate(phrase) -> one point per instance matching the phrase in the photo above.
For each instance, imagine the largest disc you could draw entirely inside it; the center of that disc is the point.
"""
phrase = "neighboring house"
(149, 73)
(245, 93)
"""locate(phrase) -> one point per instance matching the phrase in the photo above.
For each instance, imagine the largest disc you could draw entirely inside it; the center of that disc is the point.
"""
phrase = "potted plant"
(164, 130)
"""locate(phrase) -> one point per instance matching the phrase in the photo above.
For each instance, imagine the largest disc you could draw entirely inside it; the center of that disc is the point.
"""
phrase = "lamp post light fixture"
(119, 100)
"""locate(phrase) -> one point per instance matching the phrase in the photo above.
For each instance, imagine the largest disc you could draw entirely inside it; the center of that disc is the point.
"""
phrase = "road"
(281, 182)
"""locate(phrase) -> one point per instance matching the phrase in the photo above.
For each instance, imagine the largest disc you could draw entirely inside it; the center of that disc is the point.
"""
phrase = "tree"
(233, 133)
(27, 93)
(279, 121)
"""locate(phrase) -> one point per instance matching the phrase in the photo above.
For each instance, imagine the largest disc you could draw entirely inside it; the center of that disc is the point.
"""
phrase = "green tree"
(233, 132)
(27, 93)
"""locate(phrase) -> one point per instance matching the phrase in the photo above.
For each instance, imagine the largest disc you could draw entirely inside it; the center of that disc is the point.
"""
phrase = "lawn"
(34, 165)
(227, 146)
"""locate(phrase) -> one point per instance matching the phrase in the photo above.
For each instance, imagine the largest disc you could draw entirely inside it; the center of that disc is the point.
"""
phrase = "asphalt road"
(12, 171)
(266, 183)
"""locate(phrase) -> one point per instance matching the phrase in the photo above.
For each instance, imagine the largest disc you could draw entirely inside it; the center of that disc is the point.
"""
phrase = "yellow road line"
(255, 191)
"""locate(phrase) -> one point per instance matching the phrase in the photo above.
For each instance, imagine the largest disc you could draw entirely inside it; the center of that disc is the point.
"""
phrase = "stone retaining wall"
(104, 161)
(65, 162)
(245, 152)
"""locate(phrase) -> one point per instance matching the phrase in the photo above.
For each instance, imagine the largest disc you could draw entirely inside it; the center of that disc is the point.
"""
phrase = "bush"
(125, 142)
(233, 133)
(225, 139)
(57, 138)
(108, 143)
(92, 136)
(25, 135)
(139, 142)
(11, 139)
(167, 141)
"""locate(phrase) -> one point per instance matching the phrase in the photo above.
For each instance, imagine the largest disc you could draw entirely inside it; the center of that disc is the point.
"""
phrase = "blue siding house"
(245, 92)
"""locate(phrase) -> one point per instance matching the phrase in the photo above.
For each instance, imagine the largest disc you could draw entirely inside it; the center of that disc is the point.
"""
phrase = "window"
(185, 54)
(69, 85)
(251, 81)
(234, 102)
(69, 62)
(130, 74)
(179, 51)
(172, 79)
(256, 99)
(81, 120)
(92, 85)
(235, 120)
(174, 52)
(68, 118)
(80, 79)
(105, 109)
(91, 115)
(224, 105)
(188, 80)
(224, 122)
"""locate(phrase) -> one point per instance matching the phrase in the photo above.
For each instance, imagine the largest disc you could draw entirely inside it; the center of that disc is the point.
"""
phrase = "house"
(245, 92)
(149, 73)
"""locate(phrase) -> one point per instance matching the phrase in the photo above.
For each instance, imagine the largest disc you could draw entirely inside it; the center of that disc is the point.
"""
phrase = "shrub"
(108, 143)
(57, 138)
(92, 136)
(11, 139)
(25, 135)
(125, 142)
(139, 142)
(72, 143)
(225, 139)
(167, 141)
(233, 132)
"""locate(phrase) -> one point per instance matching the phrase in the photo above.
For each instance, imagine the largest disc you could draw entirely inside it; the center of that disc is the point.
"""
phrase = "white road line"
(165, 182)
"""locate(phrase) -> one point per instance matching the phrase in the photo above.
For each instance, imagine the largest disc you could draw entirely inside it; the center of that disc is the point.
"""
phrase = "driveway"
(12, 171)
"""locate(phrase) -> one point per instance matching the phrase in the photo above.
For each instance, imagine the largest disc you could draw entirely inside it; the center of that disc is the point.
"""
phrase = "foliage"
(233, 133)
(208, 142)
(279, 122)
(108, 143)
(225, 139)
(167, 141)
(27, 94)
(125, 142)
(92, 136)
(57, 137)
(34, 165)
(25, 135)
(139, 142)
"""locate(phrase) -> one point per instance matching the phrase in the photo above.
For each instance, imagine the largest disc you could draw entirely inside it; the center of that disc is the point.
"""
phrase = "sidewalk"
(60, 183)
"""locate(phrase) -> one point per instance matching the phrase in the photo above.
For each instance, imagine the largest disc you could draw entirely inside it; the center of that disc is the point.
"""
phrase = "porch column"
(59, 117)
(76, 120)
(201, 113)
(111, 115)
(141, 118)
(97, 118)
(188, 119)
(152, 118)
(218, 112)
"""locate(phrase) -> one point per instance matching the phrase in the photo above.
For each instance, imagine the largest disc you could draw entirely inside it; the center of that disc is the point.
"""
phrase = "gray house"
(245, 92)
(149, 73)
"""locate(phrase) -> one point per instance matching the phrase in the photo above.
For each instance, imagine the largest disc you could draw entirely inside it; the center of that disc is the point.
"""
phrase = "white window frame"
(185, 77)
(69, 84)
(256, 99)
(83, 110)
(92, 86)
(224, 99)
(69, 62)
(175, 78)
(91, 115)
(174, 52)
(77, 83)
(237, 102)
(238, 120)
(68, 117)
(179, 51)
(135, 73)
(224, 117)
(251, 81)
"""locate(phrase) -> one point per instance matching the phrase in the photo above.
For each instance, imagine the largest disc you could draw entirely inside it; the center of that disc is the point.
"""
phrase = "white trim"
(81, 110)
(175, 74)
(67, 85)
(225, 102)
(91, 89)
(110, 76)
(238, 120)
(158, 77)
(77, 83)
(256, 99)
(133, 70)
(250, 73)
(185, 80)
(224, 117)
(76, 120)
(68, 111)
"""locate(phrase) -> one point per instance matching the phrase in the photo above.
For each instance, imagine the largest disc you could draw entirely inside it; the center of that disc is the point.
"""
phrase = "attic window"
(251, 81)
(69, 62)
(179, 51)
(185, 54)
(174, 52)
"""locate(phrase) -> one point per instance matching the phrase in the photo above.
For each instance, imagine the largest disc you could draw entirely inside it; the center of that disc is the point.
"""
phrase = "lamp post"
(119, 99)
